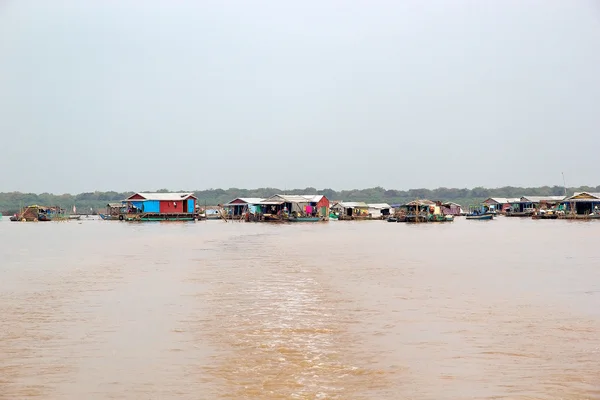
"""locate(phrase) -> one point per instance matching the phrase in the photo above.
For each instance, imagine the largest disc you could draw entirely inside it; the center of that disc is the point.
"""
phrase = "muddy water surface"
(372, 310)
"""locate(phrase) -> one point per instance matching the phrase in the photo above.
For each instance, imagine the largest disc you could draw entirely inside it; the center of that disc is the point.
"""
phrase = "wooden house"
(160, 207)
(379, 210)
(237, 208)
(582, 205)
(354, 210)
(500, 204)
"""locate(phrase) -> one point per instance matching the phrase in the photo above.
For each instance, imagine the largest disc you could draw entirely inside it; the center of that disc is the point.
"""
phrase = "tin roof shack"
(298, 205)
(160, 207)
(113, 211)
(544, 202)
(500, 204)
(417, 210)
(526, 206)
(379, 210)
(520, 208)
(40, 213)
(321, 203)
(356, 210)
(450, 208)
(237, 208)
(582, 205)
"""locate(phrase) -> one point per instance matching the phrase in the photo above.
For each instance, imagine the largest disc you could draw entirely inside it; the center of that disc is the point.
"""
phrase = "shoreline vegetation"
(12, 202)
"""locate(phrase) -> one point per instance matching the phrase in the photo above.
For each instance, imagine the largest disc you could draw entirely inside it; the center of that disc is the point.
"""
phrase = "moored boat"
(305, 219)
(545, 214)
(525, 214)
(480, 213)
(481, 217)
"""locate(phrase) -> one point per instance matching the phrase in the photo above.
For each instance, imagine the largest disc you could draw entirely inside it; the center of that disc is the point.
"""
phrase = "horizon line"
(299, 189)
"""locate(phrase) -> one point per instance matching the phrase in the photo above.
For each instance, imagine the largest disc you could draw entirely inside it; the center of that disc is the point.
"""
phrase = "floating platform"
(157, 217)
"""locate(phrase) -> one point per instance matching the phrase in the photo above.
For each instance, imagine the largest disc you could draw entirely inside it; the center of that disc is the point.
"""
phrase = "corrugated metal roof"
(539, 199)
(596, 195)
(354, 204)
(499, 200)
(504, 200)
(422, 202)
(247, 200)
(314, 198)
(379, 206)
(297, 198)
(450, 203)
(271, 202)
(164, 196)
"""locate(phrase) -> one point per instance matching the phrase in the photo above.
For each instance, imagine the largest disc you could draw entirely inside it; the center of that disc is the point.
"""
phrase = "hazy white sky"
(131, 95)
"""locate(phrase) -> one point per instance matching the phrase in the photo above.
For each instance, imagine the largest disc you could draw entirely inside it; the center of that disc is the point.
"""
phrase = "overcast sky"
(132, 95)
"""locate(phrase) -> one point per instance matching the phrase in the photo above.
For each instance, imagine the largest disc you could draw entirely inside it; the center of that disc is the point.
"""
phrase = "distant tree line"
(14, 201)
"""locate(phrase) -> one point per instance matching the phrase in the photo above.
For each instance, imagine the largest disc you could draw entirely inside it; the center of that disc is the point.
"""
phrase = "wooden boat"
(304, 219)
(544, 216)
(550, 214)
(414, 218)
(479, 213)
(270, 218)
(212, 214)
(525, 214)
(582, 217)
(480, 217)
(440, 218)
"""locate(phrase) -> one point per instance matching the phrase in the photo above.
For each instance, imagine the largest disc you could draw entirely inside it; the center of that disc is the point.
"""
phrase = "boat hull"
(519, 214)
(147, 217)
(551, 216)
(305, 219)
(484, 217)
(580, 217)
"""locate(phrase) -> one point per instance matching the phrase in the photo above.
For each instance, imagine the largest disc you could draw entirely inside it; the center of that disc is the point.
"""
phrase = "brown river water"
(503, 309)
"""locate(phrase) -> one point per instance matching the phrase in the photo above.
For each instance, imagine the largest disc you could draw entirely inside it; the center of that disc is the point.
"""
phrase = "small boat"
(304, 219)
(74, 217)
(212, 213)
(480, 213)
(580, 216)
(523, 214)
(542, 214)
(440, 218)
(392, 219)
(111, 217)
(481, 217)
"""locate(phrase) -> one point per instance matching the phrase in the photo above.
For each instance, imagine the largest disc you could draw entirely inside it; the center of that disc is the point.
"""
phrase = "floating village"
(283, 208)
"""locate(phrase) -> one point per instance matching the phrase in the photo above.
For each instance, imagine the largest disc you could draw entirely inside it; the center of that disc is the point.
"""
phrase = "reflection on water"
(96, 310)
